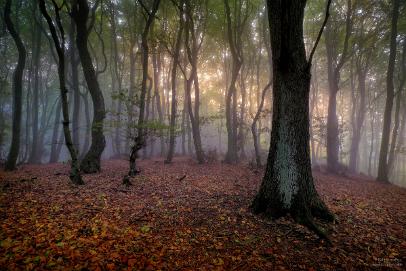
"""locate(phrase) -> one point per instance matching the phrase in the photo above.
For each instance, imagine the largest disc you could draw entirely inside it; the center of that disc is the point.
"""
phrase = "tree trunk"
(139, 140)
(35, 157)
(172, 124)
(359, 122)
(288, 185)
(17, 89)
(231, 99)
(53, 158)
(334, 66)
(395, 132)
(74, 62)
(91, 161)
(383, 154)
(254, 129)
(59, 46)
(192, 49)
(157, 75)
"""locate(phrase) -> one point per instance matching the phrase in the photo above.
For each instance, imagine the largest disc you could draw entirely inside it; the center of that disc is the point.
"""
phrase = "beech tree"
(390, 93)
(288, 186)
(60, 49)
(80, 14)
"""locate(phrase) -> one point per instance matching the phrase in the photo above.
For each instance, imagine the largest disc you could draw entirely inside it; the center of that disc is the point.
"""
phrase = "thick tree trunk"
(91, 161)
(383, 154)
(288, 185)
(17, 89)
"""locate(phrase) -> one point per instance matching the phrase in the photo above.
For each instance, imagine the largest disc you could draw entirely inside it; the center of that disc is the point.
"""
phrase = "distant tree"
(172, 123)
(80, 14)
(17, 89)
(383, 171)
(288, 186)
(193, 45)
(335, 62)
(234, 36)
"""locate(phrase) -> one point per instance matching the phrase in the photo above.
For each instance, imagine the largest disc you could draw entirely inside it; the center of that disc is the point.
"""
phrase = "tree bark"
(91, 161)
(288, 185)
(383, 154)
(17, 89)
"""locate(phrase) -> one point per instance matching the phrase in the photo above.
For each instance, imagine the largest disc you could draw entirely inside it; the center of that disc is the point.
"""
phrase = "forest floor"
(199, 222)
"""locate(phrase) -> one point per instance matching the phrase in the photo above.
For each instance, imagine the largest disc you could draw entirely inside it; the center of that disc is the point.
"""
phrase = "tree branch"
(320, 33)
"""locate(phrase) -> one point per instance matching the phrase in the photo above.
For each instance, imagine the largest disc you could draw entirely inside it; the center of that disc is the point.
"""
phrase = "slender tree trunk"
(192, 50)
(139, 141)
(399, 97)
(334, 66)
(35, 156)
(383, 171)
(59, 46)
(17, 89)
(91, 161)
(55, 133)
(231, 103)
(254, 129)
(157, 78)
(74, 63)
(172, 124)
(359, 122)
(288, 185)
(86, 144)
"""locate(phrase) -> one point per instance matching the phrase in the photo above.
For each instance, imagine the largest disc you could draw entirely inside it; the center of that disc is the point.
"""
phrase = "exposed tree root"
(126, 180)
(75, 177)
(306, 220)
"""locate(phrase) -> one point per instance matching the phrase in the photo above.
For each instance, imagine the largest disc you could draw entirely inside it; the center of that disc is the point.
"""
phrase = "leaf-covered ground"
(199, 222)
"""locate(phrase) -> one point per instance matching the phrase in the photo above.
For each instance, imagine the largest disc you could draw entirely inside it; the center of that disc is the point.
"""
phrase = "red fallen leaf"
(124, 259)
(111, 266)
(131, 262)
(268, 251)
(311, 269)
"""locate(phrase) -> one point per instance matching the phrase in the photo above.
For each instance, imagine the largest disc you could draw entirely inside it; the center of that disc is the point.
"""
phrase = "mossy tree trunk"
(287, 187)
